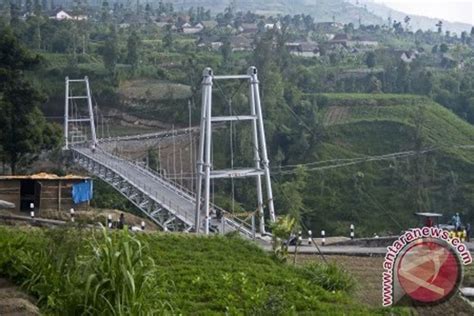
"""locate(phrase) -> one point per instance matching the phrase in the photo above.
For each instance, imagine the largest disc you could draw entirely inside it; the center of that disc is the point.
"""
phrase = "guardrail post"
(352, 231)
(72, 214)
(323, 236)
(109, 221)
(310, 236)
(143, 225)
(32, 212)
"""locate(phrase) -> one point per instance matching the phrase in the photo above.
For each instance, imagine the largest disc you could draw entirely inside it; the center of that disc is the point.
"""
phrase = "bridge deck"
(150, 192)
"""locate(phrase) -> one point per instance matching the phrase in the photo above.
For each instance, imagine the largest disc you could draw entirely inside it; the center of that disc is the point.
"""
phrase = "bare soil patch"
(15, 303)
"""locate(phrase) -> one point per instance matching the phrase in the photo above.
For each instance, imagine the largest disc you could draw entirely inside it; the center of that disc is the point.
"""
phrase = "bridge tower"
(72, 118)
(260, 168)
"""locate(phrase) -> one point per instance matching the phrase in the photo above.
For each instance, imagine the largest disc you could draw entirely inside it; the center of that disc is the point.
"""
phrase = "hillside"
(321, 10)
(187, 275)
(380, 194)
(417, 22)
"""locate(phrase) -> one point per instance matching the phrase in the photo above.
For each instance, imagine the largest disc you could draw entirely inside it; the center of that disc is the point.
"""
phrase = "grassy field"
(163, 274)
(367, 272)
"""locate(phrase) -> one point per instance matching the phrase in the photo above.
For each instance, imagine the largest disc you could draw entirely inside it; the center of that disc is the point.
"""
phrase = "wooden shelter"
(46, 191)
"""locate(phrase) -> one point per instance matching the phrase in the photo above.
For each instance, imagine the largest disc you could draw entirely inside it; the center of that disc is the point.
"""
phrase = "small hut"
(46, 192)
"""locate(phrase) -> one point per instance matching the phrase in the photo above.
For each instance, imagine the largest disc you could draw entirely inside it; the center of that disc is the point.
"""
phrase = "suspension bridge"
(170, 205)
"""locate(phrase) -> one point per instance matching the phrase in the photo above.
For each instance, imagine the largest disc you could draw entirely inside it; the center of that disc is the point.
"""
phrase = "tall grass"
(72, 273)
(93, 272)
(120, 276)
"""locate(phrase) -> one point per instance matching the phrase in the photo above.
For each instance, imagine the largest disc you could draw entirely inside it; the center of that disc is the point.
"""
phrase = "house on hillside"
(408, 57)
(187, 28)
(303, 49)
(46, 192)
(273, 26)
(241, 43)
(60, 15)
(248, 28)
(209, 25)
(344, 40)
(329, 27)
(210, 42)
(363, 41)
(340, 40)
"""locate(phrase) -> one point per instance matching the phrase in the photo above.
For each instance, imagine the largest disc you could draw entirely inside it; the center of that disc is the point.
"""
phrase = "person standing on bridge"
(468, 232)
(429, 222)
(121, 223)
(457, 222)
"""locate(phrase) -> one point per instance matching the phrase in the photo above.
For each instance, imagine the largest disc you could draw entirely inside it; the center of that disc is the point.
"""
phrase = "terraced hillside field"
(429, 164)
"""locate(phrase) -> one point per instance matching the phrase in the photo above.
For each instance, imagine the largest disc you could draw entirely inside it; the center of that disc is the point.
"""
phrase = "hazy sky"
(451, 10)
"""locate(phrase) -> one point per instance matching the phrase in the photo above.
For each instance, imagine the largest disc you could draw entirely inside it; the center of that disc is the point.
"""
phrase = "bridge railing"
(188, 194)
(163, 134)
(114, 163)
(145, 188)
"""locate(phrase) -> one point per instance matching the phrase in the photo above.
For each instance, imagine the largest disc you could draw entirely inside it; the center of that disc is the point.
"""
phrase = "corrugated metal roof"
(44, 176)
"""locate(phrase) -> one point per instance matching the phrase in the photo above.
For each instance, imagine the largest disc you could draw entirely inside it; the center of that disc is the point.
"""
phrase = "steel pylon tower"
(70, 117)
(204, 159)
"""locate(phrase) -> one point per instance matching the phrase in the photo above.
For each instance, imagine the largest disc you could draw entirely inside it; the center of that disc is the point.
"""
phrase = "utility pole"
(180, 167)
(174, 153)
(190, 146)
(159, 159)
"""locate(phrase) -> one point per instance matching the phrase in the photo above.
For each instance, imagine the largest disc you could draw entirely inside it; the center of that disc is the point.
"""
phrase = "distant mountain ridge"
(322, 10)
(417, 21)
(344, 11)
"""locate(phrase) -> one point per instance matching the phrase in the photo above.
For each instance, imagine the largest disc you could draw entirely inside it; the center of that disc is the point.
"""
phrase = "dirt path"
(15, 303)
(368, 273)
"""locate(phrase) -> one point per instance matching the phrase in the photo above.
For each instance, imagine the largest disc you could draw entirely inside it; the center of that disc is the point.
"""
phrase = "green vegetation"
(145, 64)
(24, 131)
(93, 272)
(382, 195)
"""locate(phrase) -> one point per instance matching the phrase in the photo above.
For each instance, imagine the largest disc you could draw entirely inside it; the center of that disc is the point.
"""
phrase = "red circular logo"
(429, 271)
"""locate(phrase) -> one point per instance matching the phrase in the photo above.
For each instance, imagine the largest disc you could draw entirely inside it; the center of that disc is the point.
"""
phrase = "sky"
(451, 10)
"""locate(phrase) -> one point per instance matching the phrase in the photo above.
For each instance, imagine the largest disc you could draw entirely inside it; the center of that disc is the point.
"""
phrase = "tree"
(370, 60)
(403, 78)
(407, 22)
(464, 37)
(168, 38)
(440, 26)
(110, 51)
(133, 47)
(29, 6)
(443, 48)
(24, 131)
(226, 51)
(472, 31)
(434, 50)
(37, 8)
(375, 85)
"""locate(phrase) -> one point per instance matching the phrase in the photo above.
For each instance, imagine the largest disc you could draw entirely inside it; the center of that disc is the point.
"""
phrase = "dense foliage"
(24, 131)
(92, 272)
(143, 65)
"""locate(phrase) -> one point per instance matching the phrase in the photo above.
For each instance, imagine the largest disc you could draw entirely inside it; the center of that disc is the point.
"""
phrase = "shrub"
(329, 276)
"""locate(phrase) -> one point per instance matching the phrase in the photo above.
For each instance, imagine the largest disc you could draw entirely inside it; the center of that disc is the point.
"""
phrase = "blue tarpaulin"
(82, 192)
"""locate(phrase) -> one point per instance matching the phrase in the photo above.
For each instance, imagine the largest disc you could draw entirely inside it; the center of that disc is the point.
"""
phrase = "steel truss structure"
(168, 216)
(204, 167)
(70, 117)
(166, 203)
